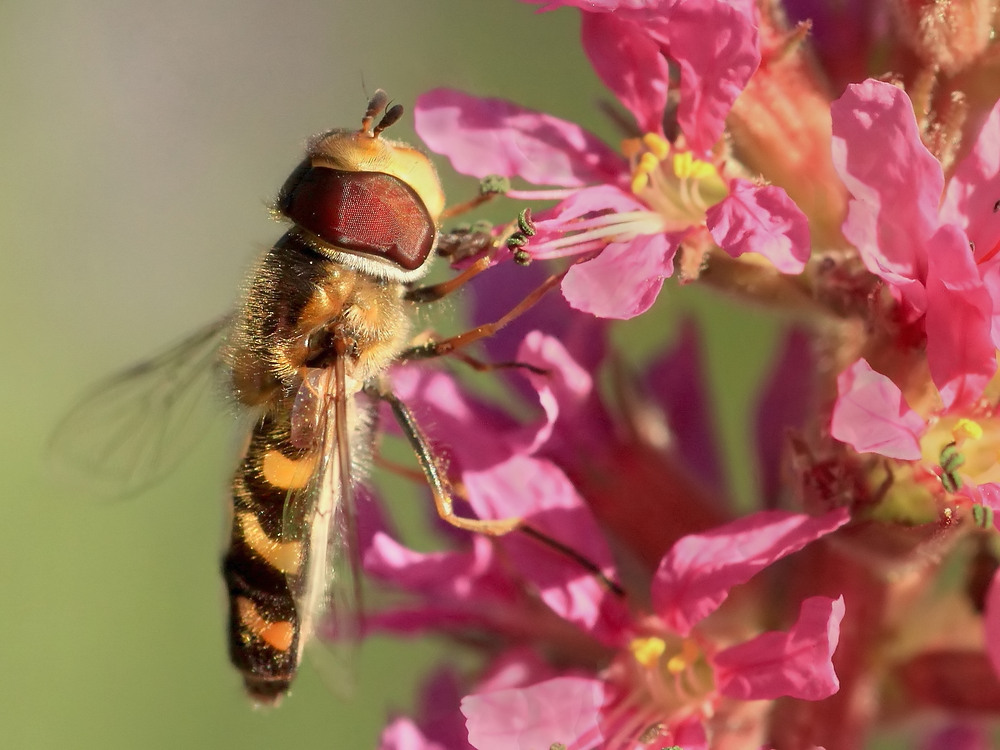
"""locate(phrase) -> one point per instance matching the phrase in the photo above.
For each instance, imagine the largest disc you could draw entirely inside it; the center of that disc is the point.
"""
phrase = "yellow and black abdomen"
(263, 567)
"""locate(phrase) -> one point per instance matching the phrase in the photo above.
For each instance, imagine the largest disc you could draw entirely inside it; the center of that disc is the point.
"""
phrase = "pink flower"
(916, 236)
(947, 448)
(615, 469)
(486, 584)
(438, 725)
(560, 709)
(629, 44)
(663, 670)
(669, 681)
(631, 214)
(871, 416)
(787, 398)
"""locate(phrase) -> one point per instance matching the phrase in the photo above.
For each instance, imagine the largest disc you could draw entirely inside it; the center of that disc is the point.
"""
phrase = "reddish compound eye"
(365, 212)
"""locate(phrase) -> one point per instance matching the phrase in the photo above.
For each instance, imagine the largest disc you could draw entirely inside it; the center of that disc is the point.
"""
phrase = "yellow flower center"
(963, 447)
(671, 182)
(965, 429)
(688, 656)
(651, 653)
(647, 651)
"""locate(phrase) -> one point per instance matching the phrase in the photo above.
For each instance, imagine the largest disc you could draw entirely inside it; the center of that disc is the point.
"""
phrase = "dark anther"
(951, 460)
(650, 733)
(494, 184)
(466, 241)
(982, 516)
(996, 206)
(517, 241)
(524, 223)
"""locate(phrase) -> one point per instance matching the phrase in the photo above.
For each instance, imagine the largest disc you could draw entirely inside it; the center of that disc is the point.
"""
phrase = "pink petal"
(494, 136)
(896, 183)
(450, 617)
(678, 380)
(429, 572)
(689, 734)
(761, 220)
(871, 416)
(624, 280)
(470, 576)
(516, 667)
(974, 189)
(988, 495)
(564, 389)
(960, 351)
(630, 64)
(715, 44)
(439, 723)
(695, 576)
(991, 280)
(786, 400)
(594, 6)
(797, 664)
(563, 710)
(959, 736)
(539, 492)
(593, 200)
(404, 734)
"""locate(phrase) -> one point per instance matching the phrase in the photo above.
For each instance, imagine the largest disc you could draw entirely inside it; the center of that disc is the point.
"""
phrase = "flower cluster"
(837, 162)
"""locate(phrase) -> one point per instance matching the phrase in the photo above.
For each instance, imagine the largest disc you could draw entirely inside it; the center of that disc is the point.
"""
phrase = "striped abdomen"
(265, 566)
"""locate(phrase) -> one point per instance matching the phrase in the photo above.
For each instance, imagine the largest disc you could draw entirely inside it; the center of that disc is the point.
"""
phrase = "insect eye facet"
(364, 212)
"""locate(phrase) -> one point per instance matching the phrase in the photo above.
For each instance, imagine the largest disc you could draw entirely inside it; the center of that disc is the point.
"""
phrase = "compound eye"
(364, 212)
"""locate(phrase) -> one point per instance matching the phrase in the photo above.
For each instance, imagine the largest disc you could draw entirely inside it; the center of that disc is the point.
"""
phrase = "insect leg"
(431, 470)
(443, 499)
(479, 366)
(514, 242)
(613, 586)
(489, 188)
(434, 292)
(453, 343)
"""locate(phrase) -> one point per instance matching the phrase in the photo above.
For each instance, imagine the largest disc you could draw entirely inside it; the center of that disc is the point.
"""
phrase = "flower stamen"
(966, 429)
(690, 653)
(673, 183)
(647, 651)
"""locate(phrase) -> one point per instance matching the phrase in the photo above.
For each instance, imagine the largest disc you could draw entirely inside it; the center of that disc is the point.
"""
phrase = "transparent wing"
(325, 417)
(131, 430)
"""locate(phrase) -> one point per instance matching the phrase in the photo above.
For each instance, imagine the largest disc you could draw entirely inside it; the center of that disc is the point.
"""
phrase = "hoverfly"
(327, 310)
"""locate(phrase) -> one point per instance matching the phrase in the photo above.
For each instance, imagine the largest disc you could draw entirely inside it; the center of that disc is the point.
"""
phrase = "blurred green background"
(141, 143)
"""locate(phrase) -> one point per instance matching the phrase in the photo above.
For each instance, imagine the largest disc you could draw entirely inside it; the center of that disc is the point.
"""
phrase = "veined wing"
(327, 414)
(131, 430)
